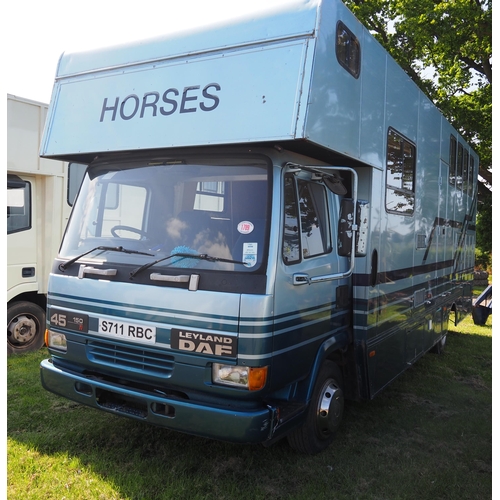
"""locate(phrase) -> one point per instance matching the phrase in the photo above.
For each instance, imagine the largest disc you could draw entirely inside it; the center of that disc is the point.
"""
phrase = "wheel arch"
(332, 349)
(36, 298)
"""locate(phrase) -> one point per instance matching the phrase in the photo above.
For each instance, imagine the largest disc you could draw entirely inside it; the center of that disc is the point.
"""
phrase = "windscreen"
(171, 210)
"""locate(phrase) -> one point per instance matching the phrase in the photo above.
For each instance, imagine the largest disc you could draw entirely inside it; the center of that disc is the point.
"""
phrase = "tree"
(445, 46)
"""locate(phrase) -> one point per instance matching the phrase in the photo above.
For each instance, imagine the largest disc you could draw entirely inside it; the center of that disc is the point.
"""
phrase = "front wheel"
(324, 414)
(25, 327)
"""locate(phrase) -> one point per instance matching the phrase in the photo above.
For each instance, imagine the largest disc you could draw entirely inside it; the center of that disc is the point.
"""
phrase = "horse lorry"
(274, 220)
(39, 200)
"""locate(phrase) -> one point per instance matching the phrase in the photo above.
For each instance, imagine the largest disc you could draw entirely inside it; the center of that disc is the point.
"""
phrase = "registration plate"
(127, 331)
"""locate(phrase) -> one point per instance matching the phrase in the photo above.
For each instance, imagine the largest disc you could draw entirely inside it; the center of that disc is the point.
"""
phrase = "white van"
(39, 199)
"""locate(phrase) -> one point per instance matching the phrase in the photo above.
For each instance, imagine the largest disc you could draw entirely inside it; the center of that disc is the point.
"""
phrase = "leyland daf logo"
(165, 103)
(203, 343)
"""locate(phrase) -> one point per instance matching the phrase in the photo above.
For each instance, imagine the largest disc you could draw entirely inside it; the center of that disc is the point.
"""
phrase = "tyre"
(25, 327)
(324, 414)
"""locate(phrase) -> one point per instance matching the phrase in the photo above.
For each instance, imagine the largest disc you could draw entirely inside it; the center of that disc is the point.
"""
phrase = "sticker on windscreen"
(250, 254)
(245, 227)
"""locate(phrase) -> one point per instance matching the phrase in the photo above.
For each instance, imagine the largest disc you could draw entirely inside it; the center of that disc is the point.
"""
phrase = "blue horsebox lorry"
(274, 219)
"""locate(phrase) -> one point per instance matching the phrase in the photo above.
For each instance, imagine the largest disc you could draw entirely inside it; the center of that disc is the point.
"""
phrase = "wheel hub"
(330, 409)
(22, 329)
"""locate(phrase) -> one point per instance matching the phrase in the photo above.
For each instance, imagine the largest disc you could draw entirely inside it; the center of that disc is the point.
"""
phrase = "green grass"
(427, 436)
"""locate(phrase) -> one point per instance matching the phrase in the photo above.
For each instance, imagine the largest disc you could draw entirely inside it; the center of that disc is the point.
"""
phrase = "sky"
(37, 32)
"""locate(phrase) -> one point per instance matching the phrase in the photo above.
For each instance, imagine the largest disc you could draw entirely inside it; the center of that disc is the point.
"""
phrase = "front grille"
(134, 358)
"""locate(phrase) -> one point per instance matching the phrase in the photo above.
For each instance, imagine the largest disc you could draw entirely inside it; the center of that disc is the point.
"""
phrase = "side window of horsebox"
(348, 50)
(472, 176)
(400, 180)
(453, 160)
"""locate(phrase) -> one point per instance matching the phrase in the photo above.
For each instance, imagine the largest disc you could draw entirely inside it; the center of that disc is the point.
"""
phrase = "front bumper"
(233, 425)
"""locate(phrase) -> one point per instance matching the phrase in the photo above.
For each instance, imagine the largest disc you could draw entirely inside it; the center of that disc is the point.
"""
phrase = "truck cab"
(196, 268)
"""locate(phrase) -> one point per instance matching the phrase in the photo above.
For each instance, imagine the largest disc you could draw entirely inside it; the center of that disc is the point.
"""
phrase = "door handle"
(301, 279)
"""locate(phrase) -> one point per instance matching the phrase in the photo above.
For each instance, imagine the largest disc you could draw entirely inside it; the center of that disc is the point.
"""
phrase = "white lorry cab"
(274, 220)
(39, 199)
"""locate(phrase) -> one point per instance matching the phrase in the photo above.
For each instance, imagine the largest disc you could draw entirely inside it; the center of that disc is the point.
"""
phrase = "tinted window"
(453, 160)
(313, 219)
(471, 176)
(291, 244)
(400, 188)
(306, 224)
(465, 173)
(460, 162)
(348, 50)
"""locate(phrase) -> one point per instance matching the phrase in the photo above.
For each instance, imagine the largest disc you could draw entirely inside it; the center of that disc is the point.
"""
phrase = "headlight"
(55, 340)
(244, 377)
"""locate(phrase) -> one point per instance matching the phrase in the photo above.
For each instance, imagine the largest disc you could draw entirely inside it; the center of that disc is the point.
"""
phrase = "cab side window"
(306, 224)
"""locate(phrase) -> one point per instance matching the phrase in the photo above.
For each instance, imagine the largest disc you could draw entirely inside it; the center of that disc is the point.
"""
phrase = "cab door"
(21, 235)
(306, 313)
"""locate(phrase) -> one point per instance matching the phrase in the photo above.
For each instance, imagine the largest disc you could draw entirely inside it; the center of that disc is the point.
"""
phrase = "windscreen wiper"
(200, 256)
(65, 265)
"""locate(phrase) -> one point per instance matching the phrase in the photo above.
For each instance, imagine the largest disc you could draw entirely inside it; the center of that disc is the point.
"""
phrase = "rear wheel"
(324, 414)
(25, 327)
(439, 347)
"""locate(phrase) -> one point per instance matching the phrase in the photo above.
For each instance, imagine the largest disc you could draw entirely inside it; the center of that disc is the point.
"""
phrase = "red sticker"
(245, 227)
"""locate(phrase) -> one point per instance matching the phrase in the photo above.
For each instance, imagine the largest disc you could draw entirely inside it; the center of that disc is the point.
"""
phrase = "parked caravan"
(39, 201)
(274, 220)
